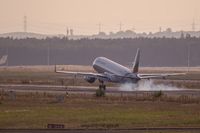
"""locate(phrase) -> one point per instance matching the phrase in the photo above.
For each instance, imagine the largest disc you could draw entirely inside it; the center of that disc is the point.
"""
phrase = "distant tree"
(111, 33)
(102, 34)
(150, 33)
(169, 30)
(71, 32)
(182, 35)
(188, 35)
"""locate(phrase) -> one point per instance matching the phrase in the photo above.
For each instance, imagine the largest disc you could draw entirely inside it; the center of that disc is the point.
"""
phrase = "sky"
(84, 16)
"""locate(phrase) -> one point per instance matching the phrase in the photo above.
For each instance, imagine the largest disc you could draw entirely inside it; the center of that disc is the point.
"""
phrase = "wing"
(150, 76)
(90, 74)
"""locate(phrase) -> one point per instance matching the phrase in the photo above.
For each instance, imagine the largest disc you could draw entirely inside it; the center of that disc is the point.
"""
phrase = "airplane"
(3, 59)
(110, 71)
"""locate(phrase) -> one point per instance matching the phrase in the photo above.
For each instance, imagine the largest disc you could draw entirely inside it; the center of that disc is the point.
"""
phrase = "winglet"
(136, 61)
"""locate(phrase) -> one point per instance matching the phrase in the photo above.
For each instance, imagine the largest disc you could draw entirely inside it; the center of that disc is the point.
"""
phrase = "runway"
(91, 90)
(132, 130)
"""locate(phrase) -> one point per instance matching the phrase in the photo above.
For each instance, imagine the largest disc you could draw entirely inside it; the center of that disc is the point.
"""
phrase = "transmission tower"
(120, 26)
(67, 32)
(100, 26)
(25, 23)
(193, 25)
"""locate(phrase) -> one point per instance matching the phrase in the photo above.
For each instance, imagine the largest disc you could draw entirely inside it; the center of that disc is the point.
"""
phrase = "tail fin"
(136, 61)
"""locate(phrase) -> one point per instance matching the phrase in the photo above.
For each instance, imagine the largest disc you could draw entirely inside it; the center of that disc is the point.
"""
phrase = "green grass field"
(35, 110)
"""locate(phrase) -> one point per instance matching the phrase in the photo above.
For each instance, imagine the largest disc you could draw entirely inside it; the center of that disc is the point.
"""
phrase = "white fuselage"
(115, 71)
(102, 65)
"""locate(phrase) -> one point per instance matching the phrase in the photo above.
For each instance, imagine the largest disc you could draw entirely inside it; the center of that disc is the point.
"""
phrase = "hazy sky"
(53, 16)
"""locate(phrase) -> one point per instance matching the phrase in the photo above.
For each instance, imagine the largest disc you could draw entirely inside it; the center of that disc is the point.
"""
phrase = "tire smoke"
(147, 85)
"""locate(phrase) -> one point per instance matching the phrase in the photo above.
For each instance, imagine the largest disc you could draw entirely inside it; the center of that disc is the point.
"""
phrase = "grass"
(36, 111)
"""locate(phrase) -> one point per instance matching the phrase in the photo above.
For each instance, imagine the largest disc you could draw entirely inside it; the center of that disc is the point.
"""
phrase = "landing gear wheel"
(102, 87)
(101, 91)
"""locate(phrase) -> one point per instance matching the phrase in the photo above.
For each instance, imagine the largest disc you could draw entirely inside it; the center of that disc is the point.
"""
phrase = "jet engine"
(90, 79)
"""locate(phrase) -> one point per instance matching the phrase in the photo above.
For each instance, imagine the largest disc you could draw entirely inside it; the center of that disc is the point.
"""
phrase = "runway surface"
(91, 90)
(132, 130)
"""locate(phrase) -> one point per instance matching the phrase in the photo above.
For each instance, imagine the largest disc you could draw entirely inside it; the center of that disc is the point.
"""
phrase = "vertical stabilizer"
(136, 61)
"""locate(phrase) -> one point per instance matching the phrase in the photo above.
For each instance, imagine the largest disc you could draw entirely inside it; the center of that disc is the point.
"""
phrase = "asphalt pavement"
(92, 90)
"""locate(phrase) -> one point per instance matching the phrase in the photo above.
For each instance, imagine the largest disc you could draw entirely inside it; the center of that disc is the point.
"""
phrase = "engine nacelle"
(90, 79)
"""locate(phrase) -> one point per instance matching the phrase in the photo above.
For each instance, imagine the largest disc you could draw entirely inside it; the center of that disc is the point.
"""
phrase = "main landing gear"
(102, 86)
(101, 91)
